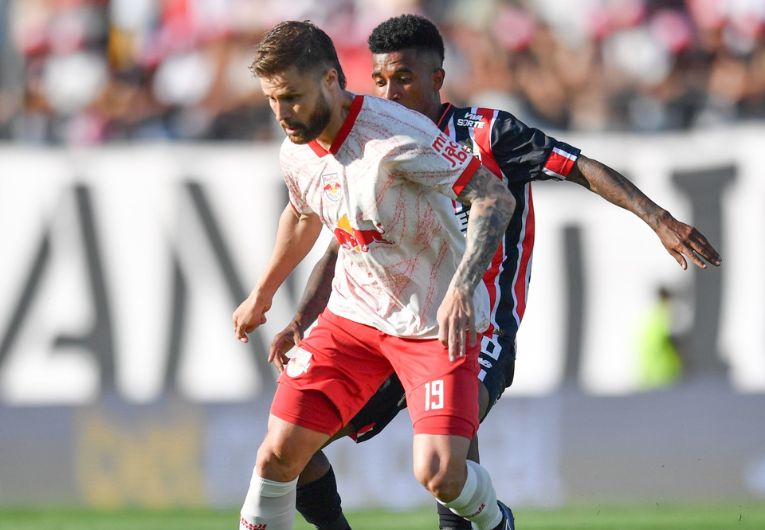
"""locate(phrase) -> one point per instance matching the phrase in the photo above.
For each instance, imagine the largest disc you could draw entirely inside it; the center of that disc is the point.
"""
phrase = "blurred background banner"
(139, 196)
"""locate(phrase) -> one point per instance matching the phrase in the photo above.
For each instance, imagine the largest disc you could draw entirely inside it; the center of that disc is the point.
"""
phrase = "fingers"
(461, 335)
(685, 241)
(703, 248)
(696, 259)
(679, 259)
(243, 327)
(240, 332)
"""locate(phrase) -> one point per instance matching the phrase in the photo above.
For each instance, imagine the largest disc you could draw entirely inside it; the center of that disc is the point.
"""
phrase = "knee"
(278, 460)
(443, 478)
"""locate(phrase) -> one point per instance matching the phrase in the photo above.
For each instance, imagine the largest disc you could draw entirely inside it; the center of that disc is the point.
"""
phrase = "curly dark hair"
(406, 31)
(298, 44)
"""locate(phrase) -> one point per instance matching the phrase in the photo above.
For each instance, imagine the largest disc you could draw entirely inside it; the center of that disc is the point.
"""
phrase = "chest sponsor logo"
(356, 239)
(331, 187)
(471, 120)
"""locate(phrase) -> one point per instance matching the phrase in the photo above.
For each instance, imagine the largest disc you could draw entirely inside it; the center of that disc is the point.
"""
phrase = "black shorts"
(496, 372)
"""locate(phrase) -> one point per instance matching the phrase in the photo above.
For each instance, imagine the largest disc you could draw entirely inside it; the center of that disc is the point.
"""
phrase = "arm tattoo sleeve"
(491, 206)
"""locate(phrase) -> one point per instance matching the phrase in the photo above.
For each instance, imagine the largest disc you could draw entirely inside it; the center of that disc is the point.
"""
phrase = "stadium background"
(139, 192)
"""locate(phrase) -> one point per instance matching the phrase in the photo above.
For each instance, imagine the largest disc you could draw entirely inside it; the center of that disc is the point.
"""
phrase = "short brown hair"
(298, 44)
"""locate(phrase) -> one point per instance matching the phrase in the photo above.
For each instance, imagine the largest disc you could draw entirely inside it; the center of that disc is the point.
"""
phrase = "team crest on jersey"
(331, 187)
(299, 363)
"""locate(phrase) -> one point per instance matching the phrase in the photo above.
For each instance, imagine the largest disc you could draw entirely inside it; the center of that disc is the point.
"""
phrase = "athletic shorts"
(341, 364)
(496, 372)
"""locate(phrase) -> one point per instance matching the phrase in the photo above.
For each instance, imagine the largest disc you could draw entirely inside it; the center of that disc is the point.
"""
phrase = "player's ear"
(330, 77)
(438, 79)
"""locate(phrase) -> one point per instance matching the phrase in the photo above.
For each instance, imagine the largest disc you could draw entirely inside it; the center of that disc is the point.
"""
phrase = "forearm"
(490, 212)
(318, 289)
(616, 189)
(295, 237)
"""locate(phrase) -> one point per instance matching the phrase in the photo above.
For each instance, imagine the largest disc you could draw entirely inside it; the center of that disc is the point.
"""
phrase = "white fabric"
(268, 505)
(477, 502)
(387, 196)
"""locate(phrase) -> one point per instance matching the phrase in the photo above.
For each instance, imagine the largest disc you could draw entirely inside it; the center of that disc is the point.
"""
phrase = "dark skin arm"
(682, 241)
(313, 302)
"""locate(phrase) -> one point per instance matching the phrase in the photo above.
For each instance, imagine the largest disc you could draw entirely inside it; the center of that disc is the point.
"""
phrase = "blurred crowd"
(96, 71)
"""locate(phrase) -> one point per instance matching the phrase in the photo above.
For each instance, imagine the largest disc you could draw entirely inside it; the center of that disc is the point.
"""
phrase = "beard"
(317, 122)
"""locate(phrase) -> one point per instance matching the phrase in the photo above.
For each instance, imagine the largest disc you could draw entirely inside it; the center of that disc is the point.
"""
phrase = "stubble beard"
(317, 122)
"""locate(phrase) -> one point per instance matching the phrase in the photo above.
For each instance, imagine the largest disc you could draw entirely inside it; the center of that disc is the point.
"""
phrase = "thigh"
(379, 411)
(332, 373)
(286, 449)
(442, 395)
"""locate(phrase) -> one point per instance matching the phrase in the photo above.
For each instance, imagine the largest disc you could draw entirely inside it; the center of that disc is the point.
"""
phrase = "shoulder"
(397, 118)
(479, 118)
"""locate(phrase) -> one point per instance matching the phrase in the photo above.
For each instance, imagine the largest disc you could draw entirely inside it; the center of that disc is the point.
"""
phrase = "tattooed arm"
(491, 206)
(681, 240)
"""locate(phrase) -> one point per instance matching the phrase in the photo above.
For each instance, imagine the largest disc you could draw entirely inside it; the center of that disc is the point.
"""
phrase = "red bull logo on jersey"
(356, 239)
(331, 187)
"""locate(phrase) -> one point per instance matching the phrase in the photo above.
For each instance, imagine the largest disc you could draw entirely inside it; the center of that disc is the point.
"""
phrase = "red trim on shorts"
(449, 425)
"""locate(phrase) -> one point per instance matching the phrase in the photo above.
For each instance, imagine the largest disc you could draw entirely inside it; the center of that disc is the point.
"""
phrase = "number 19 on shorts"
(434, 394)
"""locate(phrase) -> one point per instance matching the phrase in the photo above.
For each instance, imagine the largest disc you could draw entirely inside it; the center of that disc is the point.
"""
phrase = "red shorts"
(341, 364)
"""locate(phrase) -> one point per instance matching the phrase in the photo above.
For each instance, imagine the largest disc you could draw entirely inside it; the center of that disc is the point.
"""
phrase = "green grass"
(745, 516)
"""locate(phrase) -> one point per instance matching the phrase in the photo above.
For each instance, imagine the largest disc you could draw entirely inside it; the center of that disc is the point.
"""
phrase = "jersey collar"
(342, 134)
(446, 110)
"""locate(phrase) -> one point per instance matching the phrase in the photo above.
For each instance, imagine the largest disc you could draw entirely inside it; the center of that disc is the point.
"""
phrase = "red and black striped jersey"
(517, 154)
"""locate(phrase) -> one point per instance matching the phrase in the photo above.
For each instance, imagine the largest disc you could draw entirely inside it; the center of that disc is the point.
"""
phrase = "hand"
(283, 342)
(684, 241)
(249, 315)
(456, 323)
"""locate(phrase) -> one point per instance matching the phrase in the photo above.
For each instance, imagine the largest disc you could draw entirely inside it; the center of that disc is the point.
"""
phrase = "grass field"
(650, 517)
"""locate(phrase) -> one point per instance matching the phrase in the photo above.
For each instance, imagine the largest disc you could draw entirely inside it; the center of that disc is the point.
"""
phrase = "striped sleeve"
(527, 154)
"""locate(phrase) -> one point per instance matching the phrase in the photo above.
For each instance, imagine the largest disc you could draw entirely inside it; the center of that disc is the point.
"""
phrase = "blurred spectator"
(94, 71)
(659, 361)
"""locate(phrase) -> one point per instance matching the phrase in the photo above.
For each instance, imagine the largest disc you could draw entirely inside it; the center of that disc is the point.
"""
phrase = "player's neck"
(435, 110)
(341, 107)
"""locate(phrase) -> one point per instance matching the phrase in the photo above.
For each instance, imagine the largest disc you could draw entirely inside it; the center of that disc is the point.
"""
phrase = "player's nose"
(281, 111)
(392, 92)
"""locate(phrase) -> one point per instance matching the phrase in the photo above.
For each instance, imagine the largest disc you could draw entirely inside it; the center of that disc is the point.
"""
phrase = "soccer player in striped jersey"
(408, 54)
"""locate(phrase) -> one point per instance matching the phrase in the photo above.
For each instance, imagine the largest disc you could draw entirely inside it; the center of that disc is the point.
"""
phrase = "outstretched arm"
(315, 298)
(491, 206)
(681, 240)
(294, 238)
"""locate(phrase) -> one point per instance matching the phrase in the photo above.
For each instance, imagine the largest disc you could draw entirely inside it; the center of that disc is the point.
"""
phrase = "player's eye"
(380, 82)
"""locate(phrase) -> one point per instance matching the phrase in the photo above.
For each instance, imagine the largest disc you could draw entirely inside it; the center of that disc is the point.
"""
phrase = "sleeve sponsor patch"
(449, 150)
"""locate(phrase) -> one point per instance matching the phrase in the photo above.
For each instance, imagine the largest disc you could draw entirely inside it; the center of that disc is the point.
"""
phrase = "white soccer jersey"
(385, 189)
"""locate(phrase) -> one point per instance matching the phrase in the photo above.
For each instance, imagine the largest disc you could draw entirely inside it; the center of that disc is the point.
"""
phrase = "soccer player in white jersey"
(407, 297)
(408, 55)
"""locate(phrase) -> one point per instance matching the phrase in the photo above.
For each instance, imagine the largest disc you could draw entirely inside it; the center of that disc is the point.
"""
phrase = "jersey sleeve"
(430, 158)
(290, 176)
(524, 153)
